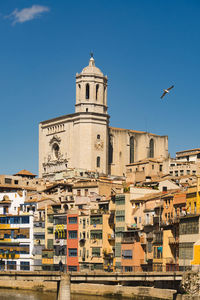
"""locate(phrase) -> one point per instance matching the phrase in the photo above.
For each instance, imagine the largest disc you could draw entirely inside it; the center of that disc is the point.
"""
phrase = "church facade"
(84, 139)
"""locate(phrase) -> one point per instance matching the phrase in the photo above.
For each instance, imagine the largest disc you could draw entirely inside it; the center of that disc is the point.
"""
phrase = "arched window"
(56, 150)
(79, 91)
(110, 154)
(104, 95)
(151, 148)
(98, 136)
(131, 149)
(87, 91)
(97, 90)
(98, 161)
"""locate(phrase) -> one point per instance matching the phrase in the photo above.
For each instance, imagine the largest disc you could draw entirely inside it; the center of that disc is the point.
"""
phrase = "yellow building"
(193, 199)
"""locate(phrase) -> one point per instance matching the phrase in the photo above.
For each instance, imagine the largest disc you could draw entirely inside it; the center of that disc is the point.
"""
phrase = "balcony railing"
(158, 238)
(173, 240)
(127, 240)
(47, 261)
(147, 223)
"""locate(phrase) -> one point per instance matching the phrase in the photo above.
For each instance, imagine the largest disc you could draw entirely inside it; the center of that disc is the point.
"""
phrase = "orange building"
(72, 242)
(132, 251)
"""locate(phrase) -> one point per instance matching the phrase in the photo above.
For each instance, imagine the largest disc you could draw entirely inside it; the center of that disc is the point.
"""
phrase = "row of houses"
(99, 223)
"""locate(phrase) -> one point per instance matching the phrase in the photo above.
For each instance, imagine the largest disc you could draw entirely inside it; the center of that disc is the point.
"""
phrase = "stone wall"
(125, 291)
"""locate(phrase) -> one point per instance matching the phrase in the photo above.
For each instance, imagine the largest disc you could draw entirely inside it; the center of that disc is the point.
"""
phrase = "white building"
(16, 232)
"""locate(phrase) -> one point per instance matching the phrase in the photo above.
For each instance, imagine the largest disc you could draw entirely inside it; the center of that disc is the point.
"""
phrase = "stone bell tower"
(91, 123)
(91, 90)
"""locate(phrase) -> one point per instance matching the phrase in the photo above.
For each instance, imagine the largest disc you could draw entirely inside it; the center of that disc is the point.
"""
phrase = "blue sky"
(142, 46)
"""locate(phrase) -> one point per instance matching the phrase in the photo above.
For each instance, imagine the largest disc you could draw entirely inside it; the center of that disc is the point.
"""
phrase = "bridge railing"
(124, 269)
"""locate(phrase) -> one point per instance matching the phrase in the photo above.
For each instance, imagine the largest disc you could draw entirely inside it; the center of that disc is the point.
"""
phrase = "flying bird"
(166, 91)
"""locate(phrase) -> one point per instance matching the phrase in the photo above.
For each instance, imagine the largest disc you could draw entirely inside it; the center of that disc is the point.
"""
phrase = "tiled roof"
(25, 172)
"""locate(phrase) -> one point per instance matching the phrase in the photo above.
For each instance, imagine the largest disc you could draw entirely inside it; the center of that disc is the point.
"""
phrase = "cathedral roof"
(91, 68)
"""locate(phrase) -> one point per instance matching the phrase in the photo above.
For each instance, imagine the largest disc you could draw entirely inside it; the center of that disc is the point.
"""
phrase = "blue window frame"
(25, 220)
(72, 252)
(72, 234)
(72, 220)
(72, 268)
(24, 265)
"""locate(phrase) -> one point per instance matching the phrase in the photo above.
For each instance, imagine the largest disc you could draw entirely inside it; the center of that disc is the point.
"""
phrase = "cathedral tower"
(91, 90)
(91, 123)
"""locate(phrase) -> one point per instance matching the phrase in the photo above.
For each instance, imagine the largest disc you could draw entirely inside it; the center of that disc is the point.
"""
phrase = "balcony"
(173, 240)
(158, 238)
(128, 240)
(148, 226)
(47, 261)
(111, 237)
(107, 255)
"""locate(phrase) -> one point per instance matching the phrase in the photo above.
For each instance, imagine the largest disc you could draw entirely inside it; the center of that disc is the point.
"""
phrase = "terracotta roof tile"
(25, 172)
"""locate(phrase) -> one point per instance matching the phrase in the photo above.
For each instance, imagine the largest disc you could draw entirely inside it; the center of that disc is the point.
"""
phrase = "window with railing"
(120, 218)
(120, 200)
(11, 265)
(128, 269)
(60, 220)
(96, 220)
(96, 251)
(49, 243)
(50, 219)
(186, 251)
(157, 252)
(189, 226)
(96, 234)
(61, 234)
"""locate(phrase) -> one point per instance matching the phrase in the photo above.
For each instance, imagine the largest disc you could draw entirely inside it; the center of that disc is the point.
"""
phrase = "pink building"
(132, 252)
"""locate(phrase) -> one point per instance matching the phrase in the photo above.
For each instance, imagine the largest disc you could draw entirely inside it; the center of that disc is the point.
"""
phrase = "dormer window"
(87, 91)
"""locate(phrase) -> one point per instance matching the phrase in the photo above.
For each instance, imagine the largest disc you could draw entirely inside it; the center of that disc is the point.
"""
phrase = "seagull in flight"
(166, 91)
